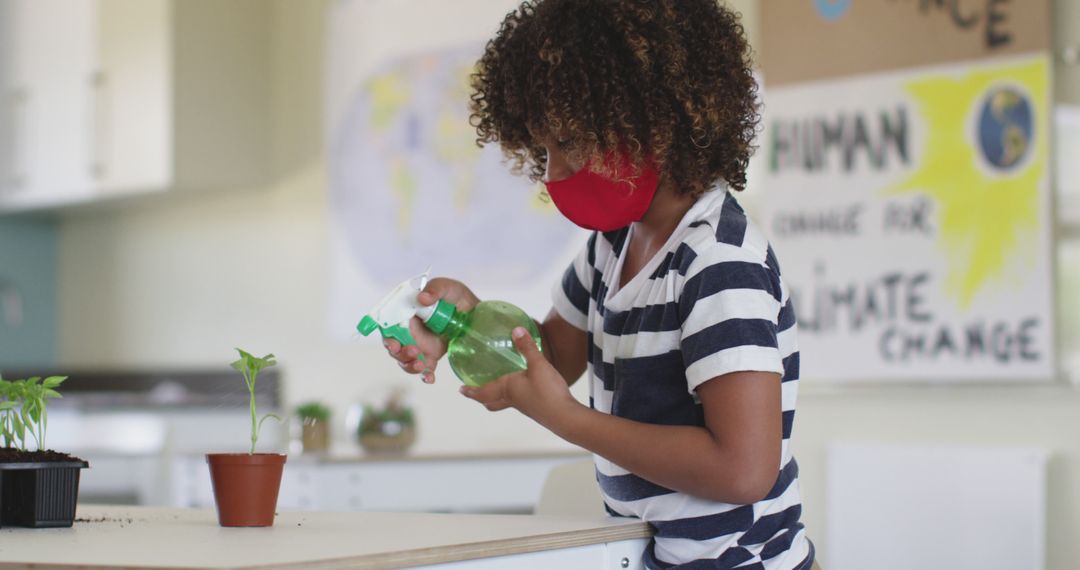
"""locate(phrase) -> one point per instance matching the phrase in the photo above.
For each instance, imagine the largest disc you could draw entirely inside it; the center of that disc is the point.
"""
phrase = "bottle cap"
(440, 316)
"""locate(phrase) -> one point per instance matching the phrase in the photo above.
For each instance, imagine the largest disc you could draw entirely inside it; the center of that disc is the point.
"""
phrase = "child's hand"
(431, 345)
(539, 391)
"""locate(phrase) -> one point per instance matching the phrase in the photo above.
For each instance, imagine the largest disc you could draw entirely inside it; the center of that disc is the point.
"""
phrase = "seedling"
(250, 366)
(313, 412)
(23, 410)
(41, 487)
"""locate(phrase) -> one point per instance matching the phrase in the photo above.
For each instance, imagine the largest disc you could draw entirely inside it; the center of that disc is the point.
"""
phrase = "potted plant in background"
(246, 485)
(388, 428)
(315, 426)
(39, 488)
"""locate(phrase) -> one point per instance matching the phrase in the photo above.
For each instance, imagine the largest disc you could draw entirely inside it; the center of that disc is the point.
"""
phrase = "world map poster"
(410, 189)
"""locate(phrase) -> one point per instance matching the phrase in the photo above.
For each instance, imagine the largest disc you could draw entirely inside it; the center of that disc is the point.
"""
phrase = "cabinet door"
(14, 79)
(7, 102)
(131, 86)
(50, 49)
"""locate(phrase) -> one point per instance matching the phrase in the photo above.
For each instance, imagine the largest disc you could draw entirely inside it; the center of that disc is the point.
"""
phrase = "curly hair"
(666, 81)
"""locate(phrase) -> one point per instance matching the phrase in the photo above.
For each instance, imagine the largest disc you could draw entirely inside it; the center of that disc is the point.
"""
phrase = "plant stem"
(254, 422)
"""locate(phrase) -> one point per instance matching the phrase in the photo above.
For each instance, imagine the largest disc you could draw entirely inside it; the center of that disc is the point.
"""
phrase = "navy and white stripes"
(709, 303)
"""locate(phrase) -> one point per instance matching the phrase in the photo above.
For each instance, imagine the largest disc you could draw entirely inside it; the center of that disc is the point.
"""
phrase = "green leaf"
(33, 409)
(10, 390)
(240, 365)
(250, 365)
(52, 394)
(54, 381)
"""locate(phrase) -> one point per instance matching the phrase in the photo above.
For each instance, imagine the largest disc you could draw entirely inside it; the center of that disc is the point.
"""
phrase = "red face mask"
(596, 202)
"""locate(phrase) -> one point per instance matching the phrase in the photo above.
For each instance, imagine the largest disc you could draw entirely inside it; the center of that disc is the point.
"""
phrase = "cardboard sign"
(806, 40)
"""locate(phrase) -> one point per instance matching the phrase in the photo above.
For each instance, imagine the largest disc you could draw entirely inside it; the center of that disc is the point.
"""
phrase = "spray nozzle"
(392, 315)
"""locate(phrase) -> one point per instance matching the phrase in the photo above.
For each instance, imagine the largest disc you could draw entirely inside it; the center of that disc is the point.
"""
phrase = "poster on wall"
(907, 186)
(409, 188)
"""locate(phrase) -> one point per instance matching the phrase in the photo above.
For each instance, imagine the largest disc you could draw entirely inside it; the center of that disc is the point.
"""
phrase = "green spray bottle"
(479, 343)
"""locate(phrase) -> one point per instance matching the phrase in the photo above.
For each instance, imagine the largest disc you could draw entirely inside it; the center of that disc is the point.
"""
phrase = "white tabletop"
(144, 537)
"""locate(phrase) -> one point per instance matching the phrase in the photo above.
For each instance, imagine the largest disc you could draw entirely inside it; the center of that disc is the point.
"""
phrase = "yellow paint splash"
(982, 215)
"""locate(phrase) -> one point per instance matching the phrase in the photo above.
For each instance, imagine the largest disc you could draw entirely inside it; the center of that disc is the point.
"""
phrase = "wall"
(1067, 35)
(180, 283)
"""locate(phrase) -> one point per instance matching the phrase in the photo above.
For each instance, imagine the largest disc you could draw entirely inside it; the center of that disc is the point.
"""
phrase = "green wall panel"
(27, 293)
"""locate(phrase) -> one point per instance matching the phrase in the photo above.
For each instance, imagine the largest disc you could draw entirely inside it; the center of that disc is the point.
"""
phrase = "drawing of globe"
(411, 189)
(1005, 127)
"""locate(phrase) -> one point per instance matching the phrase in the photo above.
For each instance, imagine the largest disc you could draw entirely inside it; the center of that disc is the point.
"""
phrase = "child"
(640, 115)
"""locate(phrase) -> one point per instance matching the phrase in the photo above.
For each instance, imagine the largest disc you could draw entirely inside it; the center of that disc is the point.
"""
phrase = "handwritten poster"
(907, 186)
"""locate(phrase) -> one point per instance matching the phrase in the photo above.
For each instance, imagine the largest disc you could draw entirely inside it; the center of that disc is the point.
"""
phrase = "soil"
(104, 520)
(10, 455)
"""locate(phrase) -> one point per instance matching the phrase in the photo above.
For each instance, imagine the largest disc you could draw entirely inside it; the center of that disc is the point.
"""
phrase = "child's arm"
(564, 351)
(564, 346)
(733, 459)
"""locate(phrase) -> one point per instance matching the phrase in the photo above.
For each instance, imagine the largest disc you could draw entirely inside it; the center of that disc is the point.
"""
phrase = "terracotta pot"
(246, 487)
(315, 436)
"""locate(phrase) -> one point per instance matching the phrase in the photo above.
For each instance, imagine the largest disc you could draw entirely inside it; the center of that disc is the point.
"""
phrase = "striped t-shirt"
(709, 303)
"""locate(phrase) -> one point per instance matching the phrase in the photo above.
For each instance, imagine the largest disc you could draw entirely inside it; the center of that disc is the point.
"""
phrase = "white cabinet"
(45, 107)
(105, 98)
(463, 484)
